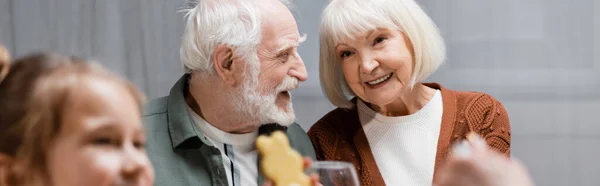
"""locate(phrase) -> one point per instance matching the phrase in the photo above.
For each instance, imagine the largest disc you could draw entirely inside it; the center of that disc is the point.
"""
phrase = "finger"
(444, 173)
(459, 168)
(461, 150)
(4, 62)
(519, 164)
(476, 141)
(307, 162)
(314, 179)
(450, 170)
(268, 183)
(516, 160)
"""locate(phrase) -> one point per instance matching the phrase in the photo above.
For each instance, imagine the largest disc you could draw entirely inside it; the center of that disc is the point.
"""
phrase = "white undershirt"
(404, 147)
(236, 148)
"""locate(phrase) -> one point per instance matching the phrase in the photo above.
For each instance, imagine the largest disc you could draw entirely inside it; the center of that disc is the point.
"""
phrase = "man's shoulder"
(155, 116)
(296, 133)
(155, 107)
(300, 141)
(295, 128)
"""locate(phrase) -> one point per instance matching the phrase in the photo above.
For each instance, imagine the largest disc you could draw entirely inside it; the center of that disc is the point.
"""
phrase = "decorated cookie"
(280, 163)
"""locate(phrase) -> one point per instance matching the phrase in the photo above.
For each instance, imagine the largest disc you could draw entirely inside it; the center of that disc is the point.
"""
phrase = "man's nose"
(298, 69)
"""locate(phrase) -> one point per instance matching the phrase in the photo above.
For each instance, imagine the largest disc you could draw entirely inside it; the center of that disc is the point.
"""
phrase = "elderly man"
(241, 61)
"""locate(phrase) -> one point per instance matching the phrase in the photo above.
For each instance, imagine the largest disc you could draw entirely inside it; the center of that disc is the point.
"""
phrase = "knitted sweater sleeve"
(322, 138)
(487, 117)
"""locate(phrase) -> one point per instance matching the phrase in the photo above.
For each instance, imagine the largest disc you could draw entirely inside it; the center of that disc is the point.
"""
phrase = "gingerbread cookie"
(280, 163)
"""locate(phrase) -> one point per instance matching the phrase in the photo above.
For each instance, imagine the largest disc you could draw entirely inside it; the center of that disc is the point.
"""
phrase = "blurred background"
(538, 57)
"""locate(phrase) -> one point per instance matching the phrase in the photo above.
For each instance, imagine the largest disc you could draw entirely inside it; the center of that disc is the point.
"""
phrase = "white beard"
(249, 103)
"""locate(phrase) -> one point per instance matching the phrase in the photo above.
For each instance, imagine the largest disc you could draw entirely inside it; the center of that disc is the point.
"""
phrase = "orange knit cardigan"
(339, 135)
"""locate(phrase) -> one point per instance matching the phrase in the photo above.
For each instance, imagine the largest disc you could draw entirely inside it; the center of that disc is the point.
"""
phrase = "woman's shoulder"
(464, 99)
(340, 122)
(336, 119)
(473, 97)
(468, 100)
(483, 114)
(335, 125)
(481, 111)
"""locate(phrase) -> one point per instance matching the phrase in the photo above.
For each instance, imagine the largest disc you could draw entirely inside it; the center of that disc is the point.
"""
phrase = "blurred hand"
(474, 164)
(314, 179)
(4, 61)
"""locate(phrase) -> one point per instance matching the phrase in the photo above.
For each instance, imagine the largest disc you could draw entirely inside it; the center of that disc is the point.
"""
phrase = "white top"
(404, 147)
(238, 149)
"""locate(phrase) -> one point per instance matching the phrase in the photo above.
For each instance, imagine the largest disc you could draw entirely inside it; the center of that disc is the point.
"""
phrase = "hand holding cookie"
(280, 163)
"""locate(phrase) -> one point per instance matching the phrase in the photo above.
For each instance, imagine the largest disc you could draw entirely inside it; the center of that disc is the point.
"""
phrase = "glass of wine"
(334, 173)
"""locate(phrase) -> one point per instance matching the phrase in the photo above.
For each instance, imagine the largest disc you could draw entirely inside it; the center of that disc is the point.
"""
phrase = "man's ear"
(5, 168)
(227, 67)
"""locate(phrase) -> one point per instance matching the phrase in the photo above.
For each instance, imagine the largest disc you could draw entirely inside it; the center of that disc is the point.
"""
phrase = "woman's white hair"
(346, 19)
(210, 23)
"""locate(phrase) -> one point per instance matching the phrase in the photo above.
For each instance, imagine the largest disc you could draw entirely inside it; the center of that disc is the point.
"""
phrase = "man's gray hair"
(209, 23)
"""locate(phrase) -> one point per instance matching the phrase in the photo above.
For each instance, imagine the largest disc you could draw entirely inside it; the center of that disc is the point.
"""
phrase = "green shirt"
(181, 154)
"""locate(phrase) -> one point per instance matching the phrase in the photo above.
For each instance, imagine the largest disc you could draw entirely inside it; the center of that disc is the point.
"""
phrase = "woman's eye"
(102, 141)
(345, 54)
(378, 40)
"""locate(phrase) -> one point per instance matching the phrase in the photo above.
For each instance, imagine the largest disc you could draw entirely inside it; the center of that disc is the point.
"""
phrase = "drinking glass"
(334, 173)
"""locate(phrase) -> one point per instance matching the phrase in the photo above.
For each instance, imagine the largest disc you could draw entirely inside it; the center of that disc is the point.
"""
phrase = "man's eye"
(283, 57)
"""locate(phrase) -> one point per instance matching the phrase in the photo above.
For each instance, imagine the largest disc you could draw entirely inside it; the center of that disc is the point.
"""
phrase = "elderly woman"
(396, 130)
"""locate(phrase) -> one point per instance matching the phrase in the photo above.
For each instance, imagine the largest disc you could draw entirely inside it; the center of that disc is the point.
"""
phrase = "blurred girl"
(64, 121)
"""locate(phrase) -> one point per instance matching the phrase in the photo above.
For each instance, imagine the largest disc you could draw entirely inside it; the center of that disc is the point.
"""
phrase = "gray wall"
(538, 57)
(135, 38)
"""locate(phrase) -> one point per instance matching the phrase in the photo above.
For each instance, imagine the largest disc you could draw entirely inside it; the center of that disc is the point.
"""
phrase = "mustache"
(289, 83)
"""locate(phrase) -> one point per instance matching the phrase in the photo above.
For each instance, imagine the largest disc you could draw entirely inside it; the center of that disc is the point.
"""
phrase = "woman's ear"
(5, 168)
